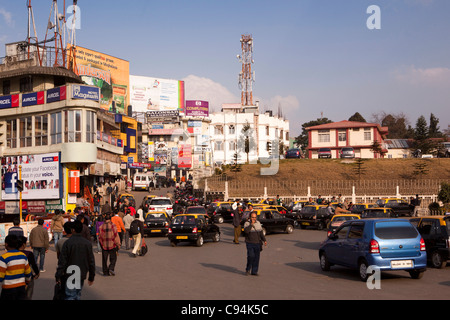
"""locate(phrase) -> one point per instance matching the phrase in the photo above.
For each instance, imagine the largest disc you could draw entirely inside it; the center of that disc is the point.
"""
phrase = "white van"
(141, 181)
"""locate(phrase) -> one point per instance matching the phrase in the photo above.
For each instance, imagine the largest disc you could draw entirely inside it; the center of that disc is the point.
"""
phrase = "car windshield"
(196, 210)
(395, 230)
(342, 219)
(309, 210)
(374, 214)
(160, 202)
(184, 220)
(156, 216)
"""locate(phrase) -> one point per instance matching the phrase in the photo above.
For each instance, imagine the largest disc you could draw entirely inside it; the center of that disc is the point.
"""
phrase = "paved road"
(289, 270)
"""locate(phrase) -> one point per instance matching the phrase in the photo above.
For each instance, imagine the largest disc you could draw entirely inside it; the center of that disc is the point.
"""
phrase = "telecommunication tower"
(246, 76)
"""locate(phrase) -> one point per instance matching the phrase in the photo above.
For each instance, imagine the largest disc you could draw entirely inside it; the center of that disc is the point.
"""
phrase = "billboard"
(41, 175)
(156, 94)
(197, 108)
(110, 74)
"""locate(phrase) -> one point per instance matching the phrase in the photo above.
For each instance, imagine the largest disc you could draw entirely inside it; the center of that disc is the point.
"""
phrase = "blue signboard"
(85, 92)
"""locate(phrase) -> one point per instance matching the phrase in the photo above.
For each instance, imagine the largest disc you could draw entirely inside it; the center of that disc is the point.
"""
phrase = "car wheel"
(324, 263)
(216, 237)
(220, 220)
(320, 226)
(199, 242)
(416, 274)
(362, 267)
(264, 231)
(289, 229)
(437, 261)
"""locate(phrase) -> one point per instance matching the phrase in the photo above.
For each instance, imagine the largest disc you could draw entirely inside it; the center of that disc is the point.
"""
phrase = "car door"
(334, 248)
(427, 229)
(352, 247)
(268, 222)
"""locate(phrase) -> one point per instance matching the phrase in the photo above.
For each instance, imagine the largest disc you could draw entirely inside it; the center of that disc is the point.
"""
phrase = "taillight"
(166, 224)
(170, 230)
(169, 208)
(194, 230)
(374, 247)
(422, 245)
(329, 233)
(151, 208)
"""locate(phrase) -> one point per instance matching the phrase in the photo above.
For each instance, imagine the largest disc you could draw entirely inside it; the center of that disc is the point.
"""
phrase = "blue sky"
(311, 56)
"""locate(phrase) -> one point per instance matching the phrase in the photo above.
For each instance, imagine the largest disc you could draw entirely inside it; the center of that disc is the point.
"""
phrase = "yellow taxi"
(358, 207)
(339, 219)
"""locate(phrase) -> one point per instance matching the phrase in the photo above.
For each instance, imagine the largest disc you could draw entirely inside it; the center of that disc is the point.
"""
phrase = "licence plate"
(182, 237)
(399, 264)
(156, 230)
(305, 223)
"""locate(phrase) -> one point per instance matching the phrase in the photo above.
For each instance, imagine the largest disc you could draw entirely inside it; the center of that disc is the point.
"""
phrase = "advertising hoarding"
(110, 74)
(156, 94)
(197, 108)
(41, 175)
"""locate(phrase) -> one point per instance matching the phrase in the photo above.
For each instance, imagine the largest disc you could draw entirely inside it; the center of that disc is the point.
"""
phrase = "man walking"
(75, 262)
(110, 243)
(127, 220)
(57, 226)
(254, 237)
(39, 242)
(236, 222)
(137, 233)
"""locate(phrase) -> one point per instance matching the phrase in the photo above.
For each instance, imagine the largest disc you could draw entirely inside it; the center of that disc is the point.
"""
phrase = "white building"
(265, 134)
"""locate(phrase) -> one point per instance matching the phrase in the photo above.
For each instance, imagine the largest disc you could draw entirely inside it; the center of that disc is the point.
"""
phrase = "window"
(324, 135)
(267, 131)
(6, 87)
(90, 126)
(11, 133)
(72, 126)
(356, 231)
(367, 134)
(55, 128)
(232, 146)
(26, 84)
(26, 132)
(218, 146)
(342, 135)
(218, 130)
(342, 233)
(231, 129)
(41, 130)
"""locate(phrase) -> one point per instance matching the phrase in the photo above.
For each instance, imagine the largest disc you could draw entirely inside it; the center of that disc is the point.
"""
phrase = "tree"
(433, 129)
(359, 167)
(444, 193)
(421, 135)
(246, 140)
(377, 149)
(357, 117)
(420, 168)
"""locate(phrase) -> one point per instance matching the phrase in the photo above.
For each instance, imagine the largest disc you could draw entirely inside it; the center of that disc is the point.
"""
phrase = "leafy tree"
(397, 125)
(421, 135)
(359, 168)
(377, 149)
(444, 193)
(357, 117)
(433, 130)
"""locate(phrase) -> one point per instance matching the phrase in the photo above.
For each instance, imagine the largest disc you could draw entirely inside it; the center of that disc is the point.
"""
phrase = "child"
(15, 271)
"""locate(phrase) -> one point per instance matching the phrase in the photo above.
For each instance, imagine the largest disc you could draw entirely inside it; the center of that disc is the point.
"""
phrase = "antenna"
(71, 58)
(246, 76)
(31, 23)
(54, 23)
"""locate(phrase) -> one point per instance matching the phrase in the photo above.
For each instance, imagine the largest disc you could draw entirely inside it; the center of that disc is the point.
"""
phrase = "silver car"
(347, 152)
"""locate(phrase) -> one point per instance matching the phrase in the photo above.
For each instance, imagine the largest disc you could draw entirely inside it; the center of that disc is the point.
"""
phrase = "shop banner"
(32, 99)
(56, 94)
(11, 101)
(85, 92)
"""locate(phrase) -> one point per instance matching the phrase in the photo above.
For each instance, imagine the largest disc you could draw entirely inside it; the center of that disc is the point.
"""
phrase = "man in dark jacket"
(75, 262)
(254, 238)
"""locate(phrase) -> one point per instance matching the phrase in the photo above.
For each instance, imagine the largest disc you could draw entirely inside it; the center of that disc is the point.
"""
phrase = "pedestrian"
(416, 203)
(68, 226)
(106, 208)
(15, 271)
(110, 243)
(117, 220)
(85, 232)
(98, 223)
(236, 222)
(34, 267)
(39, 242)
(127, 222)
(57, 226)
(16, 229)
(254, 238)
(137, 233)
(76, 252)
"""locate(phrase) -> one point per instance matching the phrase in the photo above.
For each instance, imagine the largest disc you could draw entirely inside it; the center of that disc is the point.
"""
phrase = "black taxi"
(435, 231)
(156, 223)
(272, 221)
(195, 228)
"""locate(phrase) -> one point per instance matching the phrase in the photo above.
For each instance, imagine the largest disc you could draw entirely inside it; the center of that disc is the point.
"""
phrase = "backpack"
(134, 227)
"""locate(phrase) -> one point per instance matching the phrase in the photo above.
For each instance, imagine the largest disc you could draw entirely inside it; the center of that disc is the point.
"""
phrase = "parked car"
(378, 213)
(156, 222)
(272, 221)
(435, 230)
(358, 207)
(196, 210)
(314, 216)
(347, 152)
(324, 153)
(293, 153)
(388, 244)
(222, 211)
(141, 181)
(399, 206)
(194, 228)
(161, 204)
(339, 219)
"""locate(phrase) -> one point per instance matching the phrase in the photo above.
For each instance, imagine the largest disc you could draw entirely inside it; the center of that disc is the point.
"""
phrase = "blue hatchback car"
(386, 244)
